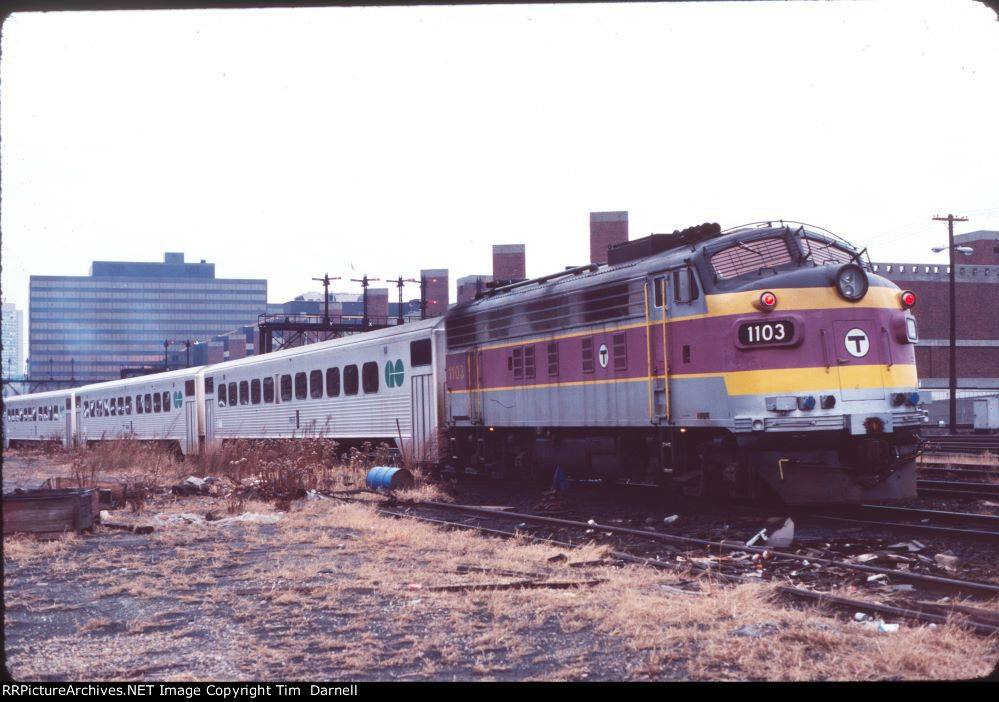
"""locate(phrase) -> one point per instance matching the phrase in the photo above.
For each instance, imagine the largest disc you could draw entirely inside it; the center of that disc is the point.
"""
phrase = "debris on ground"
(197, 519)
(194, 485)
(783, 537)
(761, 534)
(947, 561)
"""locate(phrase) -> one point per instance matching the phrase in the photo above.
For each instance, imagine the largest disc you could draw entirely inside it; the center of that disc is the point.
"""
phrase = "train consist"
(765, 360)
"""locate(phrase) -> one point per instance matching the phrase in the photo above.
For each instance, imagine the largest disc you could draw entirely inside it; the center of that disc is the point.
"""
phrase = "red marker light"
(768, 300)
(908, 299)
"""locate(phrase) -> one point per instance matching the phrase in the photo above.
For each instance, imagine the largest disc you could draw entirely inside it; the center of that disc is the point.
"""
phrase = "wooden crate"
(49, 512)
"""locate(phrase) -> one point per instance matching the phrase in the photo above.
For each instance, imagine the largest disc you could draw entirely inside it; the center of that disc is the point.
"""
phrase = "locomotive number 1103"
(766, 333)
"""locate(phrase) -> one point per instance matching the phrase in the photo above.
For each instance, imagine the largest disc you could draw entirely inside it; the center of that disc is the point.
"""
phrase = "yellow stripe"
(759, 382)
(788, 300)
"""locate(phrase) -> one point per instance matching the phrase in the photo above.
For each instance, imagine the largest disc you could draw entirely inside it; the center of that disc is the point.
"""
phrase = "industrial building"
(85, 329)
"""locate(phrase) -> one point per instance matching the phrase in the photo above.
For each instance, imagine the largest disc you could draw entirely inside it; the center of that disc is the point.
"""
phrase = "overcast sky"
(284, 144)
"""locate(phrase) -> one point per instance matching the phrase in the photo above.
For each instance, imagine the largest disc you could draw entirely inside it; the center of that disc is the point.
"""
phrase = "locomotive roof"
(682, 248)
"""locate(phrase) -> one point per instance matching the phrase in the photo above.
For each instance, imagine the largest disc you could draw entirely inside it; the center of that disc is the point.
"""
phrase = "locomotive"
(767, 360)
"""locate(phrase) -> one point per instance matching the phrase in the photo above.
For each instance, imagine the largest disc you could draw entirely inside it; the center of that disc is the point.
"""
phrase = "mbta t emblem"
(856, 342)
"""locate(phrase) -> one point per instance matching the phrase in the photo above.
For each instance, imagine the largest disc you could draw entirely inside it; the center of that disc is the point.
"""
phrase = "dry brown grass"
(334, 590)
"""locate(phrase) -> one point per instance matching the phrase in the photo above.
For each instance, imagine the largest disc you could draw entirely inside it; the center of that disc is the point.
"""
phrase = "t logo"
(604, 355)
(856, 342)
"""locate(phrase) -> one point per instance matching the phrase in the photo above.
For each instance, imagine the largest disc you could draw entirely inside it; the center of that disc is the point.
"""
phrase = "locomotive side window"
(244, 392)
(588, 355)
(316, 384)
(553, 358)
(369, 376)
(268, 390)
(750, 257)
(332, 382)
(350, 380)
(286, 388)
(660, 285)
(301, 386)
(255, 391)
(419, 353)
(223, 397)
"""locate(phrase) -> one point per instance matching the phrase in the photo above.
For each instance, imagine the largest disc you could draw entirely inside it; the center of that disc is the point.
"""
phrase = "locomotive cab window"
(684, 285)
(659, 284)
(750, 257)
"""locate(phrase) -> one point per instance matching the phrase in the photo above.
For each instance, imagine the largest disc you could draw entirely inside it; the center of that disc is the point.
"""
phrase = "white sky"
(283, 144)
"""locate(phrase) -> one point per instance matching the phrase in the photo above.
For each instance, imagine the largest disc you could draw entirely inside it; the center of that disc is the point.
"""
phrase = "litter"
(880, 625)
(670, 519)
(783, 537)
(761, 534)
(876, 578)
(946, 561)
(860, 617)
(865, 557)
(910, 546)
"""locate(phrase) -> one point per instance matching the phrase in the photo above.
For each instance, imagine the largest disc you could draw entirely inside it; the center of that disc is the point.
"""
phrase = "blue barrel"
(389, 478)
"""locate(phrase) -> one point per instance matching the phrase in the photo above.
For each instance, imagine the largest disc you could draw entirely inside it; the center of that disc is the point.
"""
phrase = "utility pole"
(364, 280)
(399, 283)
(950, 219)
(325, 280)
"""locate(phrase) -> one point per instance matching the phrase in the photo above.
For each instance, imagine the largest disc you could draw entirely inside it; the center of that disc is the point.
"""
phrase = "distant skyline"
(288, 143)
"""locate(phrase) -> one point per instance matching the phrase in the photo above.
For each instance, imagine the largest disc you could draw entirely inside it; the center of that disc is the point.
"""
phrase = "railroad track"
(979, 620)
(950, 488)
(961, 443)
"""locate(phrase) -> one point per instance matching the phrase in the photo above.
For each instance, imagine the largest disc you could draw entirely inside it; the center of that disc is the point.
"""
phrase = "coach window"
(286, 388)
(268, 390)
(166, 401)
(223, 398)
(209, 385)
(112, 409)
(188, 388)
(255, 391)
(350, 380)
(301, 386)
(147, 400)
(244, 392)
(138, 404)
(316, 384)
(419, 353)
(332, 382)
(233, 398)
(157, 407)
(369, 376)
(128, 405)
(121, 406)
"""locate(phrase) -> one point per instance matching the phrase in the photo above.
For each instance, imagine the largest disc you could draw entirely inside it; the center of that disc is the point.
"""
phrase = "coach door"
(421, 397)
(68, 440)
(209, 413)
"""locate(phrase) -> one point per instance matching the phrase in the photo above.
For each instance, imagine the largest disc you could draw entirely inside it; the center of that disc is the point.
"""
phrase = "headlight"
(851, 282)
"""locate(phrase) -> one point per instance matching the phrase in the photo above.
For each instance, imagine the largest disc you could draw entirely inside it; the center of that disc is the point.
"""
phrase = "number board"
(773, 333)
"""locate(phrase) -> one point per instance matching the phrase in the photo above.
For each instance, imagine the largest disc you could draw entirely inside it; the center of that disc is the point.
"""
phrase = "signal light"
(907, 298)
(768, 301)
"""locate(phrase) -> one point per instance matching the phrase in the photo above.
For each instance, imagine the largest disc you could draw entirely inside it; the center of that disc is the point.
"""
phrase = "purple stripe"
(713, 348)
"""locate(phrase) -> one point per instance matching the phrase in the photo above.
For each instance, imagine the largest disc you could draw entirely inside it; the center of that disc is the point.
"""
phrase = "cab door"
(657, 346)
